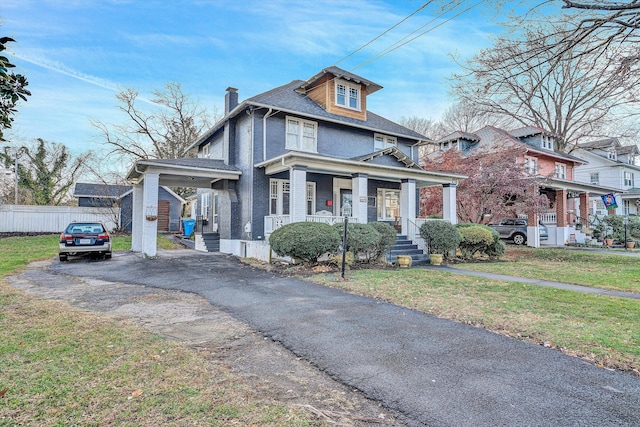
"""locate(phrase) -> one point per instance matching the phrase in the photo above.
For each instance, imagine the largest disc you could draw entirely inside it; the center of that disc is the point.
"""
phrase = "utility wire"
(425, 4)
(396, 46)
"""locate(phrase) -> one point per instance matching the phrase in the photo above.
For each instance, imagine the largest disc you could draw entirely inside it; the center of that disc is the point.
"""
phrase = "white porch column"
(449, 203)
(359, 197)
(137, 218)
(407, 203)
(150, 228)
(298, 193)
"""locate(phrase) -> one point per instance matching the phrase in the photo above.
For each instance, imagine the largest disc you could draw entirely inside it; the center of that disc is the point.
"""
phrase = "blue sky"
(77, 54)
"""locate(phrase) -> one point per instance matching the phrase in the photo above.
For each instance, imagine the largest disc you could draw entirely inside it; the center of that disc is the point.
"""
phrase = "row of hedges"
(472, 240)
(308, 241)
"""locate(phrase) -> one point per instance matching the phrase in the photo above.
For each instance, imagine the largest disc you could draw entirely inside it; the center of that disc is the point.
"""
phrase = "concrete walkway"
(432, 372)
(538, 282)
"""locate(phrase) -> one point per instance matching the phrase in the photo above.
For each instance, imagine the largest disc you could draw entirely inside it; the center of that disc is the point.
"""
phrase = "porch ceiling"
(581, 187)
(346, 167)
(197, 173)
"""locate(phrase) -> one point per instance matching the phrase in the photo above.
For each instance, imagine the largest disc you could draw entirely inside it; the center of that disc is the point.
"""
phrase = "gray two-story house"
(305, 151)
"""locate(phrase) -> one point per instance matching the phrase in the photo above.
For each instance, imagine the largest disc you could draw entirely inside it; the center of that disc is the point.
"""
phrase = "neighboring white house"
(611, 164)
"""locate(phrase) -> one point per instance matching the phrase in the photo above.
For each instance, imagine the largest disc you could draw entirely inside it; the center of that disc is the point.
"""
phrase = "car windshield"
(84, 228)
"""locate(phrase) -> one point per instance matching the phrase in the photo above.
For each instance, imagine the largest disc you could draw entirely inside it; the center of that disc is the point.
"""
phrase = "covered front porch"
(568, 220)
(308, 187)
(147, 174)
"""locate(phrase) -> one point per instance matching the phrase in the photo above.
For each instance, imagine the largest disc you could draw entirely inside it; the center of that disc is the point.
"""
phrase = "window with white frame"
(205, 205)
(205, 151)
(631, 160)
(595, 177)
(531, 165)
(347, 95)
(380, 142)
(626, 207)
(628, 179)
(301, 135)
(388, 205)
(279, 196)
(547, 142)
(611, 155)
(561, 171)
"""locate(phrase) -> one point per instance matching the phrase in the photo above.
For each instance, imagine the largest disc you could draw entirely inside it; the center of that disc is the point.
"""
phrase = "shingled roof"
(102, 191)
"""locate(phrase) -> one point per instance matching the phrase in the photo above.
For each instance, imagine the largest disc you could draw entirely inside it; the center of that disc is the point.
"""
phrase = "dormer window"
(547, 142)
(347, 95)
(611, 155)
(380, 142)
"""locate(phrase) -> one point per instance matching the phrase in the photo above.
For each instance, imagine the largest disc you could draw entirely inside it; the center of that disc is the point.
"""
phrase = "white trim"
(349, 90)
(386, 140)
(382, 194)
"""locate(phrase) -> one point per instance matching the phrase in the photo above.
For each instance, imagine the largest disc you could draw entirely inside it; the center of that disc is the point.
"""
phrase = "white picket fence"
(52, 219)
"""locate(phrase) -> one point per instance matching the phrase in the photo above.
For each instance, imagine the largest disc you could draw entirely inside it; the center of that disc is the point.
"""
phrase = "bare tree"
(466, 117)
(163, 133)
(427, 127)
(574, 95)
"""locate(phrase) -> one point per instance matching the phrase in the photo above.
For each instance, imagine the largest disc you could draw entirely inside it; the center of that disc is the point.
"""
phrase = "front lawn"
(602, 329)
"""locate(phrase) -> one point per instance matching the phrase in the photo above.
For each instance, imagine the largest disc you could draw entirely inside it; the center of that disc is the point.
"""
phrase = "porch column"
(137, 218)
(449, 203)
(359, 194)
(407, 204)
(562, 232)
(584, 210)
(150, 208)
(298, 193)
(533, 232)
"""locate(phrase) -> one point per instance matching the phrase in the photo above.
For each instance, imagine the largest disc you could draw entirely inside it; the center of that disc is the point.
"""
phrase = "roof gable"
(390, 153)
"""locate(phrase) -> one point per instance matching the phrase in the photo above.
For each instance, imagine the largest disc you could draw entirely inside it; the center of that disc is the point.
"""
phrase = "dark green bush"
(362, 239)
(441, 237)
(306, 241)
(388, 238)
(474, 239)
(493, 250)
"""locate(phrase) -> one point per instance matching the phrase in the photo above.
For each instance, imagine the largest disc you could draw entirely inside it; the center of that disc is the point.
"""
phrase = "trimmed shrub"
(442, 237)
(494, 249)
(362, 239)
(474, 239)
(388, 238)
(306, 241)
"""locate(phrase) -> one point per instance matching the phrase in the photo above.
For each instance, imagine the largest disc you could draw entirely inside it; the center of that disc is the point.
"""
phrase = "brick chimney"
(230, 99)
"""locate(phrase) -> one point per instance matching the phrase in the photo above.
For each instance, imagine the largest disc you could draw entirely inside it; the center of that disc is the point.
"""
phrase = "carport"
(147, 174)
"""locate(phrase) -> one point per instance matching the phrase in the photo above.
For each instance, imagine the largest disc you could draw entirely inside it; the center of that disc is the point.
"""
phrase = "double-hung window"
(380, 142)
(302, 135)
(347, 95)
(595, 177)
(547, 142)
(561, 171)
(279, 196)
(628, 179)
(531, 165)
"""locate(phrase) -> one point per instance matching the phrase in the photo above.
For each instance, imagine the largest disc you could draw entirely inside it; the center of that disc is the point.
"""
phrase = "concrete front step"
(404, 246)
(208, 242)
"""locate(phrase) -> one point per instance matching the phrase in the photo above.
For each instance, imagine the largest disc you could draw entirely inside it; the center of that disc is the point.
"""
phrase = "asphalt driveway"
(435, 372)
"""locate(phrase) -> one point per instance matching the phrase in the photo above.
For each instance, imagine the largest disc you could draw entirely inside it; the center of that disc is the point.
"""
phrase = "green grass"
(602, 329)
(607, 271)
(62, 366)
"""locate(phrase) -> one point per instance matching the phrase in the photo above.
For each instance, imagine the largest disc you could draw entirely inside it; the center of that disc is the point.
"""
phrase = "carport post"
(150, 214)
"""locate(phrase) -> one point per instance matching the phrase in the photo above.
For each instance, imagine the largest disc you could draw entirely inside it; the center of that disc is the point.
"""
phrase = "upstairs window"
(631, 160)
(205, 151)
(628, 179)
(301, 135)
(595, 178)
(611, 155)
(547, 142)
(347, 95)
(561, 171)
(531, 165)
(380, 142)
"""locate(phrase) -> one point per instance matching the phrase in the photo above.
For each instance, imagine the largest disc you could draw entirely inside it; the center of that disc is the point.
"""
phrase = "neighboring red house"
(554, 168)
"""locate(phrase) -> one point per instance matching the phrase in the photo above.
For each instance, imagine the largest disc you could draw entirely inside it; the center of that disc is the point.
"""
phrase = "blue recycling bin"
(188, 226)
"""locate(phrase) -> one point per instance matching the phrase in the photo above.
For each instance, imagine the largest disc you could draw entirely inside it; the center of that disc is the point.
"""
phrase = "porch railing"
(273, 222)
(548, 218)
(413, 234)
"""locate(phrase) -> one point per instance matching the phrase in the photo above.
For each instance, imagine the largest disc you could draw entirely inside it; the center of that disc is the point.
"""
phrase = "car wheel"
(519, 239)
(63, 257)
